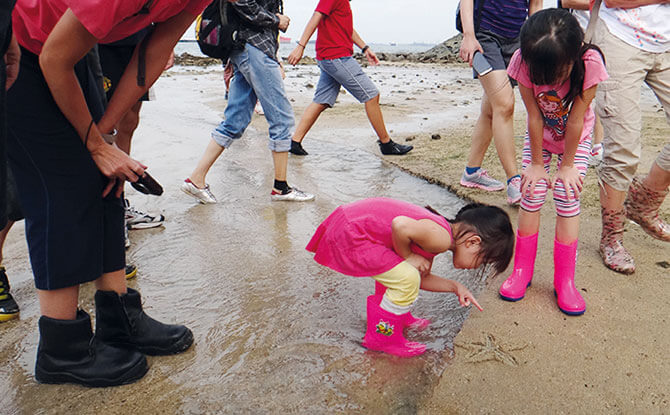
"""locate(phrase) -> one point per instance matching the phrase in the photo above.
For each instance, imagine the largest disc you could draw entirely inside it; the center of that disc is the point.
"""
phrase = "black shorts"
(114, 59)
(9, 200)
(74, 234)
(498, 50)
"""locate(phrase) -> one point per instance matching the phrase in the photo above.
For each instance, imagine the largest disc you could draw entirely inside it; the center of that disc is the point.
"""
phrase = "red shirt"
(333, 39)
(107, 20)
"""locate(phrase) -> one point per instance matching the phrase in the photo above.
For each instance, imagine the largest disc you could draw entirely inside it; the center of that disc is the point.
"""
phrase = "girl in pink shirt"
(394, 242)
(558, 75)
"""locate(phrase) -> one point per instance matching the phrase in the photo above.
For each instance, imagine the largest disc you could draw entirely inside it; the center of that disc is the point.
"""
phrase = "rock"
(436, 137)
(186, 59)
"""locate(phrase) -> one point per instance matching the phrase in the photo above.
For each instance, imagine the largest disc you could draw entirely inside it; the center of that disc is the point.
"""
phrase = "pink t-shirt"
(107, 20)
(550, 98)
(356, 238)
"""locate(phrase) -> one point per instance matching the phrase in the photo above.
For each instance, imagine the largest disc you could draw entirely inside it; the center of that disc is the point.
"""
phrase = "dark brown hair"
(493, 226)
(550, 40)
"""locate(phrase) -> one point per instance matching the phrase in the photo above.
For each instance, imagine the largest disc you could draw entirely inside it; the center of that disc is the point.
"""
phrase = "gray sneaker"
(292, 195)
(204, 195)
(514, 191)
(481, 180)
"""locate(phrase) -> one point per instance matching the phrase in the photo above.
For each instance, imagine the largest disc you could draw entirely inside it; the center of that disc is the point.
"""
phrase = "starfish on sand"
(489, 349)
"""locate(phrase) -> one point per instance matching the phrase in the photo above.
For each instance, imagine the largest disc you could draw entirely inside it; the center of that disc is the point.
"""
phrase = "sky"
(385, 21)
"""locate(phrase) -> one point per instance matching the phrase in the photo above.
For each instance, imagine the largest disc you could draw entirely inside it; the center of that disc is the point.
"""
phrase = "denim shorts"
(345, 72)
(498, 50)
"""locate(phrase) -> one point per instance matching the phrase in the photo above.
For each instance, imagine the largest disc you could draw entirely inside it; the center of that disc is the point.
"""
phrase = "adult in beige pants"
(635, 38)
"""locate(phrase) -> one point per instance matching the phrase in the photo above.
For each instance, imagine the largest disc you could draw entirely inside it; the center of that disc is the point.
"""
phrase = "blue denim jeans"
(256, 77)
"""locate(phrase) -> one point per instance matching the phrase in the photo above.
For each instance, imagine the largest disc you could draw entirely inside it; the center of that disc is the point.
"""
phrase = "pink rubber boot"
(384, 333)
(565, 260)
(514, 287)
(411, 321)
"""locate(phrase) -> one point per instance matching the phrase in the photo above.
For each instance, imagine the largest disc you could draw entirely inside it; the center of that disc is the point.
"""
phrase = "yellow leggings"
(402, 283)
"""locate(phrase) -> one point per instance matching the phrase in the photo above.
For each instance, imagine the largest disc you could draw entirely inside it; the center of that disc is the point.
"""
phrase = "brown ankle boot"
(642, 205)
(614, 255)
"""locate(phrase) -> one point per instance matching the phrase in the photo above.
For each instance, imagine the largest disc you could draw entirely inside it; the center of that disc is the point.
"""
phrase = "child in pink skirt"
(394, 242)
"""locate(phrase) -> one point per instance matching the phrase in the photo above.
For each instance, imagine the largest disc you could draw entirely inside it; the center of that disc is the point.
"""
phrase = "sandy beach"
(524, 357)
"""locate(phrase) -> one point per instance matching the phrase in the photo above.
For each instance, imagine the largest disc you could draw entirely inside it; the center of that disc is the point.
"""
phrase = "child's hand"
(295, 56)
(571, 179)
(420, 263)
(531, 176)
(465, 297)
(372, 58)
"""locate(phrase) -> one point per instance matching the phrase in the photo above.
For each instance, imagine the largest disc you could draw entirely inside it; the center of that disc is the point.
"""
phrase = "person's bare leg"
(501, 97)
(598, 131)
(482, 134)
(127, 126)
(112, 281)
(307, 120)
(280, 160)
(610, 198)
(374, 112)
(60, 304)
(657, 179)
(3, 237)
(212, 152)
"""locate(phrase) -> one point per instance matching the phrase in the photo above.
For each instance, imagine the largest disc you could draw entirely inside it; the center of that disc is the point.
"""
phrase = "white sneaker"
(136, 219)
(204, 195)
(292, 195)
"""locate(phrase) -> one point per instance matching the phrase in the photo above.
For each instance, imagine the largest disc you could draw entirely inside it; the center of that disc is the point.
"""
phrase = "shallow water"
(274, 331)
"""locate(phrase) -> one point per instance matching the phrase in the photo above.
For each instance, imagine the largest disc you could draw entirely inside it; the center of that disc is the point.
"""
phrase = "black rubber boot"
(69, 353)
(393, 149)
(121, 320)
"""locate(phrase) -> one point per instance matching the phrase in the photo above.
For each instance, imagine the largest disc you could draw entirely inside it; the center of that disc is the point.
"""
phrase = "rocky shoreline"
(445, 52)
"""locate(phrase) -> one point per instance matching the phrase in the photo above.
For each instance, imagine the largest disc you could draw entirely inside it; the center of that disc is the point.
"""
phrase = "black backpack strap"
(142, 60)
(142, 53)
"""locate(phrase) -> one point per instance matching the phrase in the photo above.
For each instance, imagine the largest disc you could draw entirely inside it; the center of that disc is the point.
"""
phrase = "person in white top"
(635, 37)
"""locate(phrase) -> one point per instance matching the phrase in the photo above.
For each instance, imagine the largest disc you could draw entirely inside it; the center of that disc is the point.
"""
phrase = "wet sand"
(277, 333)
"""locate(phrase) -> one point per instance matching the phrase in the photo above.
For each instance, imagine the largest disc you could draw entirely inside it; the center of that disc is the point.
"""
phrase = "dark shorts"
(73, 233)
(498, 50)
(114, 59)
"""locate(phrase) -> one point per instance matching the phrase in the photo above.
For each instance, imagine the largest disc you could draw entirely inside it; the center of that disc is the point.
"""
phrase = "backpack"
(478, 5)
(217, 30)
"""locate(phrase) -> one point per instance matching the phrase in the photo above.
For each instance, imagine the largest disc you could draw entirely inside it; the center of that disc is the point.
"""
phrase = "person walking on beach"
(495, 33)
(558, 75)
(635, 37)
(394, 242)
(69, 181)
(335, 41)
(257, 76)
